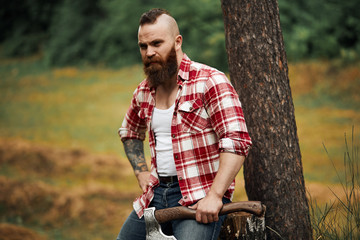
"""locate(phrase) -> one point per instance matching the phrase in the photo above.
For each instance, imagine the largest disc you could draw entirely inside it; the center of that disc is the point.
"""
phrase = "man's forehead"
(152, 31)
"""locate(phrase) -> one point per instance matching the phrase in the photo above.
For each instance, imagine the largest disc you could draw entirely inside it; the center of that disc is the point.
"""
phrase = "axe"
(153, 217)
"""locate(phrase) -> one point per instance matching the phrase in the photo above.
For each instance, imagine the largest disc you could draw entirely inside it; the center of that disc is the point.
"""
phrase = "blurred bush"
(105, 31)
(24, 25)
(321, 29)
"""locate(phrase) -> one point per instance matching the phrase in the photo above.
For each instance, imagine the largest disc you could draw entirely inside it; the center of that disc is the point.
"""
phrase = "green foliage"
(70, 34)
(321, 29)
(115, 37)
(202, 27)
(105, 31)
(24, 25)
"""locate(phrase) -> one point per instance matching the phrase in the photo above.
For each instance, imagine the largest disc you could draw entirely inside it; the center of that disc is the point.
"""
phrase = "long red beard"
(159, 71)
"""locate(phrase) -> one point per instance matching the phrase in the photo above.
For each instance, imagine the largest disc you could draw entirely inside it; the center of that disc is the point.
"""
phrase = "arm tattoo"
(134, 150)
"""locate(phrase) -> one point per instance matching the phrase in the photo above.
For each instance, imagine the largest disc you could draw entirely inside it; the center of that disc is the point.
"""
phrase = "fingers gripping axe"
(153, 217)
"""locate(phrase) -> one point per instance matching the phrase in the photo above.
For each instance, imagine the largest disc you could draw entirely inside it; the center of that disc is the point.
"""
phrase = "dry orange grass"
(50, 207)
(320, 192)
(45, 160)
(13, 232)
(324, 124)
(307, 77)
(326, 193)
(90, 198)
(55, 188)
(304, 76)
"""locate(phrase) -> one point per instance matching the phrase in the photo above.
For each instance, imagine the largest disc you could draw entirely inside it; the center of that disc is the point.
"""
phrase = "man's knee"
(190, 229)
(133, 228)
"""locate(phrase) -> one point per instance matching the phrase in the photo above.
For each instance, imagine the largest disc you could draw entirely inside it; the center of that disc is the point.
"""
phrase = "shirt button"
(185, 197)
(173, 136)
(180, 178)
(191, 108)
(176, 156)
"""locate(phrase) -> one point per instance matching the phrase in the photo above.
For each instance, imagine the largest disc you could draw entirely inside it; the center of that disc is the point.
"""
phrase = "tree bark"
(259, 72)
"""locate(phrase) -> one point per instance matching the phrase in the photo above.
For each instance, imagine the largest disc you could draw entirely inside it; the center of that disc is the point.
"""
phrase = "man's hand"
(143, 180)
(208, 208)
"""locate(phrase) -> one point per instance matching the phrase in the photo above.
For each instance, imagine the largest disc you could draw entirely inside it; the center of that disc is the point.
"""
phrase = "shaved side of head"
(158, 14)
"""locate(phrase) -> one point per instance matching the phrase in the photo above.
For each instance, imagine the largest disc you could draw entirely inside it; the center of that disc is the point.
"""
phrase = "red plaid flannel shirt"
(207, 120)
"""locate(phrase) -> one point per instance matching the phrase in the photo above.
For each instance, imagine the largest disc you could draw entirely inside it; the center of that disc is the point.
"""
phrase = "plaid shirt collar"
(184, 69)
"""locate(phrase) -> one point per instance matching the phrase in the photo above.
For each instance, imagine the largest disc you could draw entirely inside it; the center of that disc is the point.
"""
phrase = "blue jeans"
(165, 196)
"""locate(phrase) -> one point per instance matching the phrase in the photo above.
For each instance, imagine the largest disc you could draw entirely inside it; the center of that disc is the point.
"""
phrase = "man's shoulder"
(143, 86)
(142, 91)
(201, 67)
(205, 72)
(192, 70)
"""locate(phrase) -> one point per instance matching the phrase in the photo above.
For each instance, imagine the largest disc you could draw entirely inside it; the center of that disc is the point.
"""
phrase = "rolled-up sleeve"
(133, 125)
(227, 118)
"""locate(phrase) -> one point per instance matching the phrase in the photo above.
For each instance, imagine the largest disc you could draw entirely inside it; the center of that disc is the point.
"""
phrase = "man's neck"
(179, 56)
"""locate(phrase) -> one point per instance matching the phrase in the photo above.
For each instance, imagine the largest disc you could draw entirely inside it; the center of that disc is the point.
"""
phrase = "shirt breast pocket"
(194, 117)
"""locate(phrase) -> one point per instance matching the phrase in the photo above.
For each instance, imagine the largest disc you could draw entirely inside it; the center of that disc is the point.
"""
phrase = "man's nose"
(150, 52)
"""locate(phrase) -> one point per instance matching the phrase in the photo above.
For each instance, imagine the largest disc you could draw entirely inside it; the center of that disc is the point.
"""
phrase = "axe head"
(153, 228)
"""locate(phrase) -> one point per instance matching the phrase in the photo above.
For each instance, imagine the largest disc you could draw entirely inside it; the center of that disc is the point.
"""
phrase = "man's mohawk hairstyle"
(150, 16)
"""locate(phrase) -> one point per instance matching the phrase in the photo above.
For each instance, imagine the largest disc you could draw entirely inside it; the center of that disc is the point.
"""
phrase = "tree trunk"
(258, 70)
(243, 226)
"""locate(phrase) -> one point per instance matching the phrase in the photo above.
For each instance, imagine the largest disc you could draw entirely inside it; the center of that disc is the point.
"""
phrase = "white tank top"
(161, 125)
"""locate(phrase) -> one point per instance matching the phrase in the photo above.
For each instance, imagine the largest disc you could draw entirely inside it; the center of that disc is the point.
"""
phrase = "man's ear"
(178, 42)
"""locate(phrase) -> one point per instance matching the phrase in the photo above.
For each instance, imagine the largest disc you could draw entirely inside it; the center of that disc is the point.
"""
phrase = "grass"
(63, 193)
(83, 107)
(68, 107)
(326, 98)
(59, 143)
(340, 219)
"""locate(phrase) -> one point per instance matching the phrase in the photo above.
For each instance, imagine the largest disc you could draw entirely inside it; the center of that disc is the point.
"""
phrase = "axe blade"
(153, 228)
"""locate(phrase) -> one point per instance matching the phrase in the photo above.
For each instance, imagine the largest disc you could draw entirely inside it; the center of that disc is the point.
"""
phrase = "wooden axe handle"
(168, 214)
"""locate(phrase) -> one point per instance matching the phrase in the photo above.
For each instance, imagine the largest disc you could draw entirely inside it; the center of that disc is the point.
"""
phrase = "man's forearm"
(134, 150)
(207, 209)
(230, 164)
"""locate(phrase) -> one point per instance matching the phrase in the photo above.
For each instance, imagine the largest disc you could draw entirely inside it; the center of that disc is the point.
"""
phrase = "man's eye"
(142, 46)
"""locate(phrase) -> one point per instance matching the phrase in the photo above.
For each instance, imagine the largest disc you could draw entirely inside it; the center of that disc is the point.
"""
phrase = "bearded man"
(197, 134)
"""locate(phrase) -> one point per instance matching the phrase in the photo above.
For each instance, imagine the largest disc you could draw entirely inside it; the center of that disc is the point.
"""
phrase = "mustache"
(148, 61)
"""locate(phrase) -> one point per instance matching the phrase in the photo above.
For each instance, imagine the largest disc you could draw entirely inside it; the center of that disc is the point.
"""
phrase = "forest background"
(67, 73)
